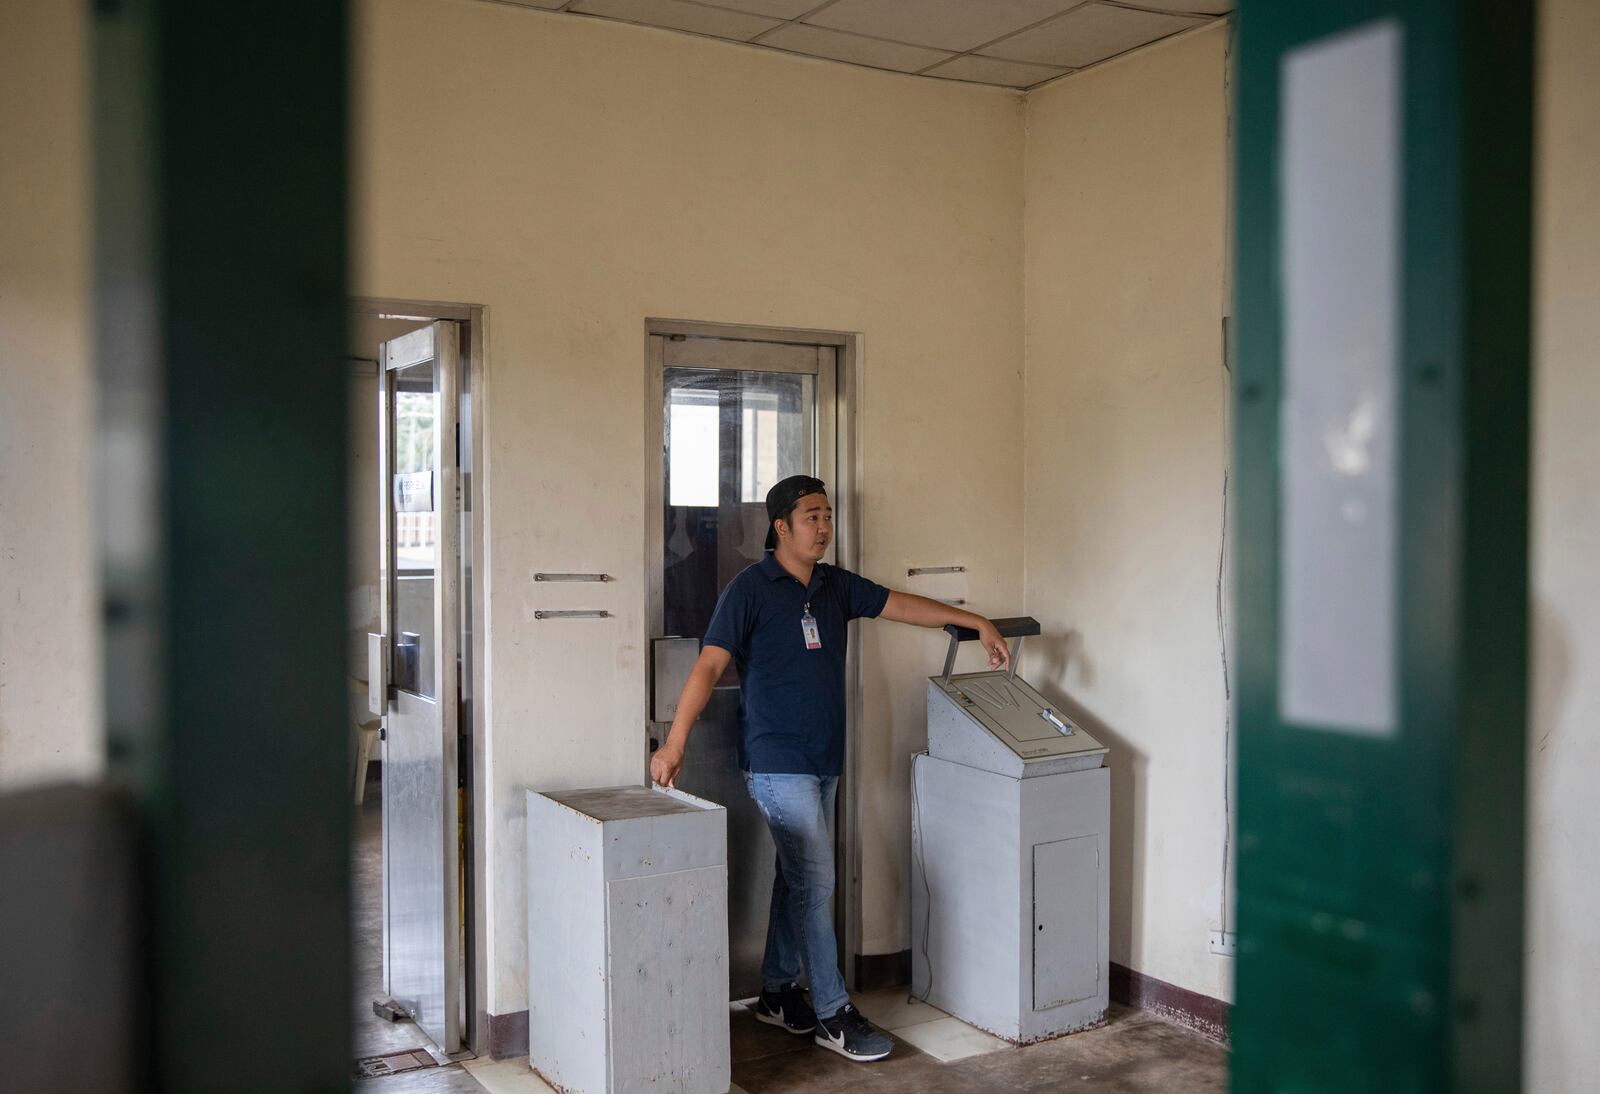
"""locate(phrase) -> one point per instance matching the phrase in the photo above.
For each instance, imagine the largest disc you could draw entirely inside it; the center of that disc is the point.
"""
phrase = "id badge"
(808, 627)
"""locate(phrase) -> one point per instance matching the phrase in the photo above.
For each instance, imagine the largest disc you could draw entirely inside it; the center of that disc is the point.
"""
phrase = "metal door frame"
(470, 414)
(844, 493)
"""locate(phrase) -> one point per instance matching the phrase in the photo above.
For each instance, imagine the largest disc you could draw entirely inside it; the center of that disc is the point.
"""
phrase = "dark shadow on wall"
(1550, 672)
(1046, 661)
(881, 810)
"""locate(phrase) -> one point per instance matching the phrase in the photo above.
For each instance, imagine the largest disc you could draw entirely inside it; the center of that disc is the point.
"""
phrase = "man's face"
(810, 527)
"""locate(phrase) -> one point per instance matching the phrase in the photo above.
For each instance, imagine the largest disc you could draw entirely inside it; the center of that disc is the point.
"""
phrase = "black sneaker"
(786, 1007)
(853, 1037)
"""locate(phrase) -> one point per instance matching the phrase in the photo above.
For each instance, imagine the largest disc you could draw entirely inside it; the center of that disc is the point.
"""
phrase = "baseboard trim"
(508, 1035)
(875, 971)
(1201, 1013)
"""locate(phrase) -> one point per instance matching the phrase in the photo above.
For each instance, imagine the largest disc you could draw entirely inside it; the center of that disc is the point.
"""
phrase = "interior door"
(736, 417)
(420, 612)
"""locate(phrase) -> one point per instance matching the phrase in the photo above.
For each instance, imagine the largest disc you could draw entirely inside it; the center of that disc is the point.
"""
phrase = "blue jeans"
(799, 811)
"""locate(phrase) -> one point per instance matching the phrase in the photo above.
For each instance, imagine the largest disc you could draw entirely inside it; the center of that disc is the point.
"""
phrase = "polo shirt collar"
(774, 570)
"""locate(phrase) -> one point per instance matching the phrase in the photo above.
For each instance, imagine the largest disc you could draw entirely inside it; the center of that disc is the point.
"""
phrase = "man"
(783, 622)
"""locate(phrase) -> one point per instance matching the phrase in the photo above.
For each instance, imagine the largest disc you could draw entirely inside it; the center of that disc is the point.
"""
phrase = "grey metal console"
(1010, 892)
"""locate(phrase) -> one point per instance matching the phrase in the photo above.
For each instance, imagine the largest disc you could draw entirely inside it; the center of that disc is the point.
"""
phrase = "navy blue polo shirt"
(791, 699)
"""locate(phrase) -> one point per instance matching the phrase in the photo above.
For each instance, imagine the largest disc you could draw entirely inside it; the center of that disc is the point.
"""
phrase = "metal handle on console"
(1018, 627)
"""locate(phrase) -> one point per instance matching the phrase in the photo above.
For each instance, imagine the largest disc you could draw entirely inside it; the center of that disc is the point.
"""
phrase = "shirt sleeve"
(863, 599)
(730, 622)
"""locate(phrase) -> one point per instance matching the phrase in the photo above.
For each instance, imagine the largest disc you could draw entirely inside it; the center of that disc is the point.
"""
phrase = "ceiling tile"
(943, 24)
(1090, 34)
(838, 46)
(778, 9)
(680, 15)
(989, 70)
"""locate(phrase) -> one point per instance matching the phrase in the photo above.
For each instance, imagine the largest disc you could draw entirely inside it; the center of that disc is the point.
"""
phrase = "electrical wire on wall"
(922, 867)
(1222, 641)
(1227, 714)
(1227, 467)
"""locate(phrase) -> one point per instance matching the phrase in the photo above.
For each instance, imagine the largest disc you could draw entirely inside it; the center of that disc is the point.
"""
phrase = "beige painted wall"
(1125, 239)
(1563, 942)
(576, 177)
(49, 673)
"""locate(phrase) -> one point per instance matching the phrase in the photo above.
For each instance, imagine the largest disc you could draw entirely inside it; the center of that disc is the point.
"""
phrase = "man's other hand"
(665, 765)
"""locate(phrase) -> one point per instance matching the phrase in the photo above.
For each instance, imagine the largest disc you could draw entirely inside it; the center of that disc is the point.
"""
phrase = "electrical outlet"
(1222, 942)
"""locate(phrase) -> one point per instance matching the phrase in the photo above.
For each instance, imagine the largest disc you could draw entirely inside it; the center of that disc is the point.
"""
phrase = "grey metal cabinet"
(1010, 841)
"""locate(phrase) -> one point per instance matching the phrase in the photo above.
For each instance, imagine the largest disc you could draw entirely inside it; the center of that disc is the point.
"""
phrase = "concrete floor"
(1134, 1051)
(934, 1053)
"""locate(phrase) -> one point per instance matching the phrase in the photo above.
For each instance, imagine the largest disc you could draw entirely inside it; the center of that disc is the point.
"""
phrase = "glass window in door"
(729, 437)
(416, 513)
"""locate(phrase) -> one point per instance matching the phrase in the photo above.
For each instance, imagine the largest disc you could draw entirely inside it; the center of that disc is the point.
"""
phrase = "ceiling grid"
(1006, 43)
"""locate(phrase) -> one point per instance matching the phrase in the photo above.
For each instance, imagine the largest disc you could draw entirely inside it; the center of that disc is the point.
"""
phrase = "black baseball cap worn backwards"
(782, 499)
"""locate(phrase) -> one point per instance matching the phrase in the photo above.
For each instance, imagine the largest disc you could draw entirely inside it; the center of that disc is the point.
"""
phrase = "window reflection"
(759, 458)
(414, 510)
(692, 447)
(730, 436)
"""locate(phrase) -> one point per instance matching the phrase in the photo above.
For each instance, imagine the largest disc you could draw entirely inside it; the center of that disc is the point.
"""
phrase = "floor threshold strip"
(394, 1063)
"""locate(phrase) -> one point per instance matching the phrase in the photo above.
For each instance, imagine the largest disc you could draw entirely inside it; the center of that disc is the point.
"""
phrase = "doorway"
(416, 671)
(731, 411)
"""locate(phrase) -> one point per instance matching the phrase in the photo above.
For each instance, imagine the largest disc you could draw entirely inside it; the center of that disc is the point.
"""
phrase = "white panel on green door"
(1340, 131)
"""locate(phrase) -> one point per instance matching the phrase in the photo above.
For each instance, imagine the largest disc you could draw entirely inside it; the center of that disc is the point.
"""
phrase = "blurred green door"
(1382, 219)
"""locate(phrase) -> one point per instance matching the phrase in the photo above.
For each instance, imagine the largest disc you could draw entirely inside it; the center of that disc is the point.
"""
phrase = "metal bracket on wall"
(600, 613)
(918, 571)
(573, 577)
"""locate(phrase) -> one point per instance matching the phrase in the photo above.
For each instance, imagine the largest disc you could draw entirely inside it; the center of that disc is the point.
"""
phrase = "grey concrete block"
(628, 941)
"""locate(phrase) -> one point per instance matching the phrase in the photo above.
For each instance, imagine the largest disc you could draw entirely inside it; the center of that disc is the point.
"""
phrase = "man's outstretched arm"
(668, 760)
(919, 611)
